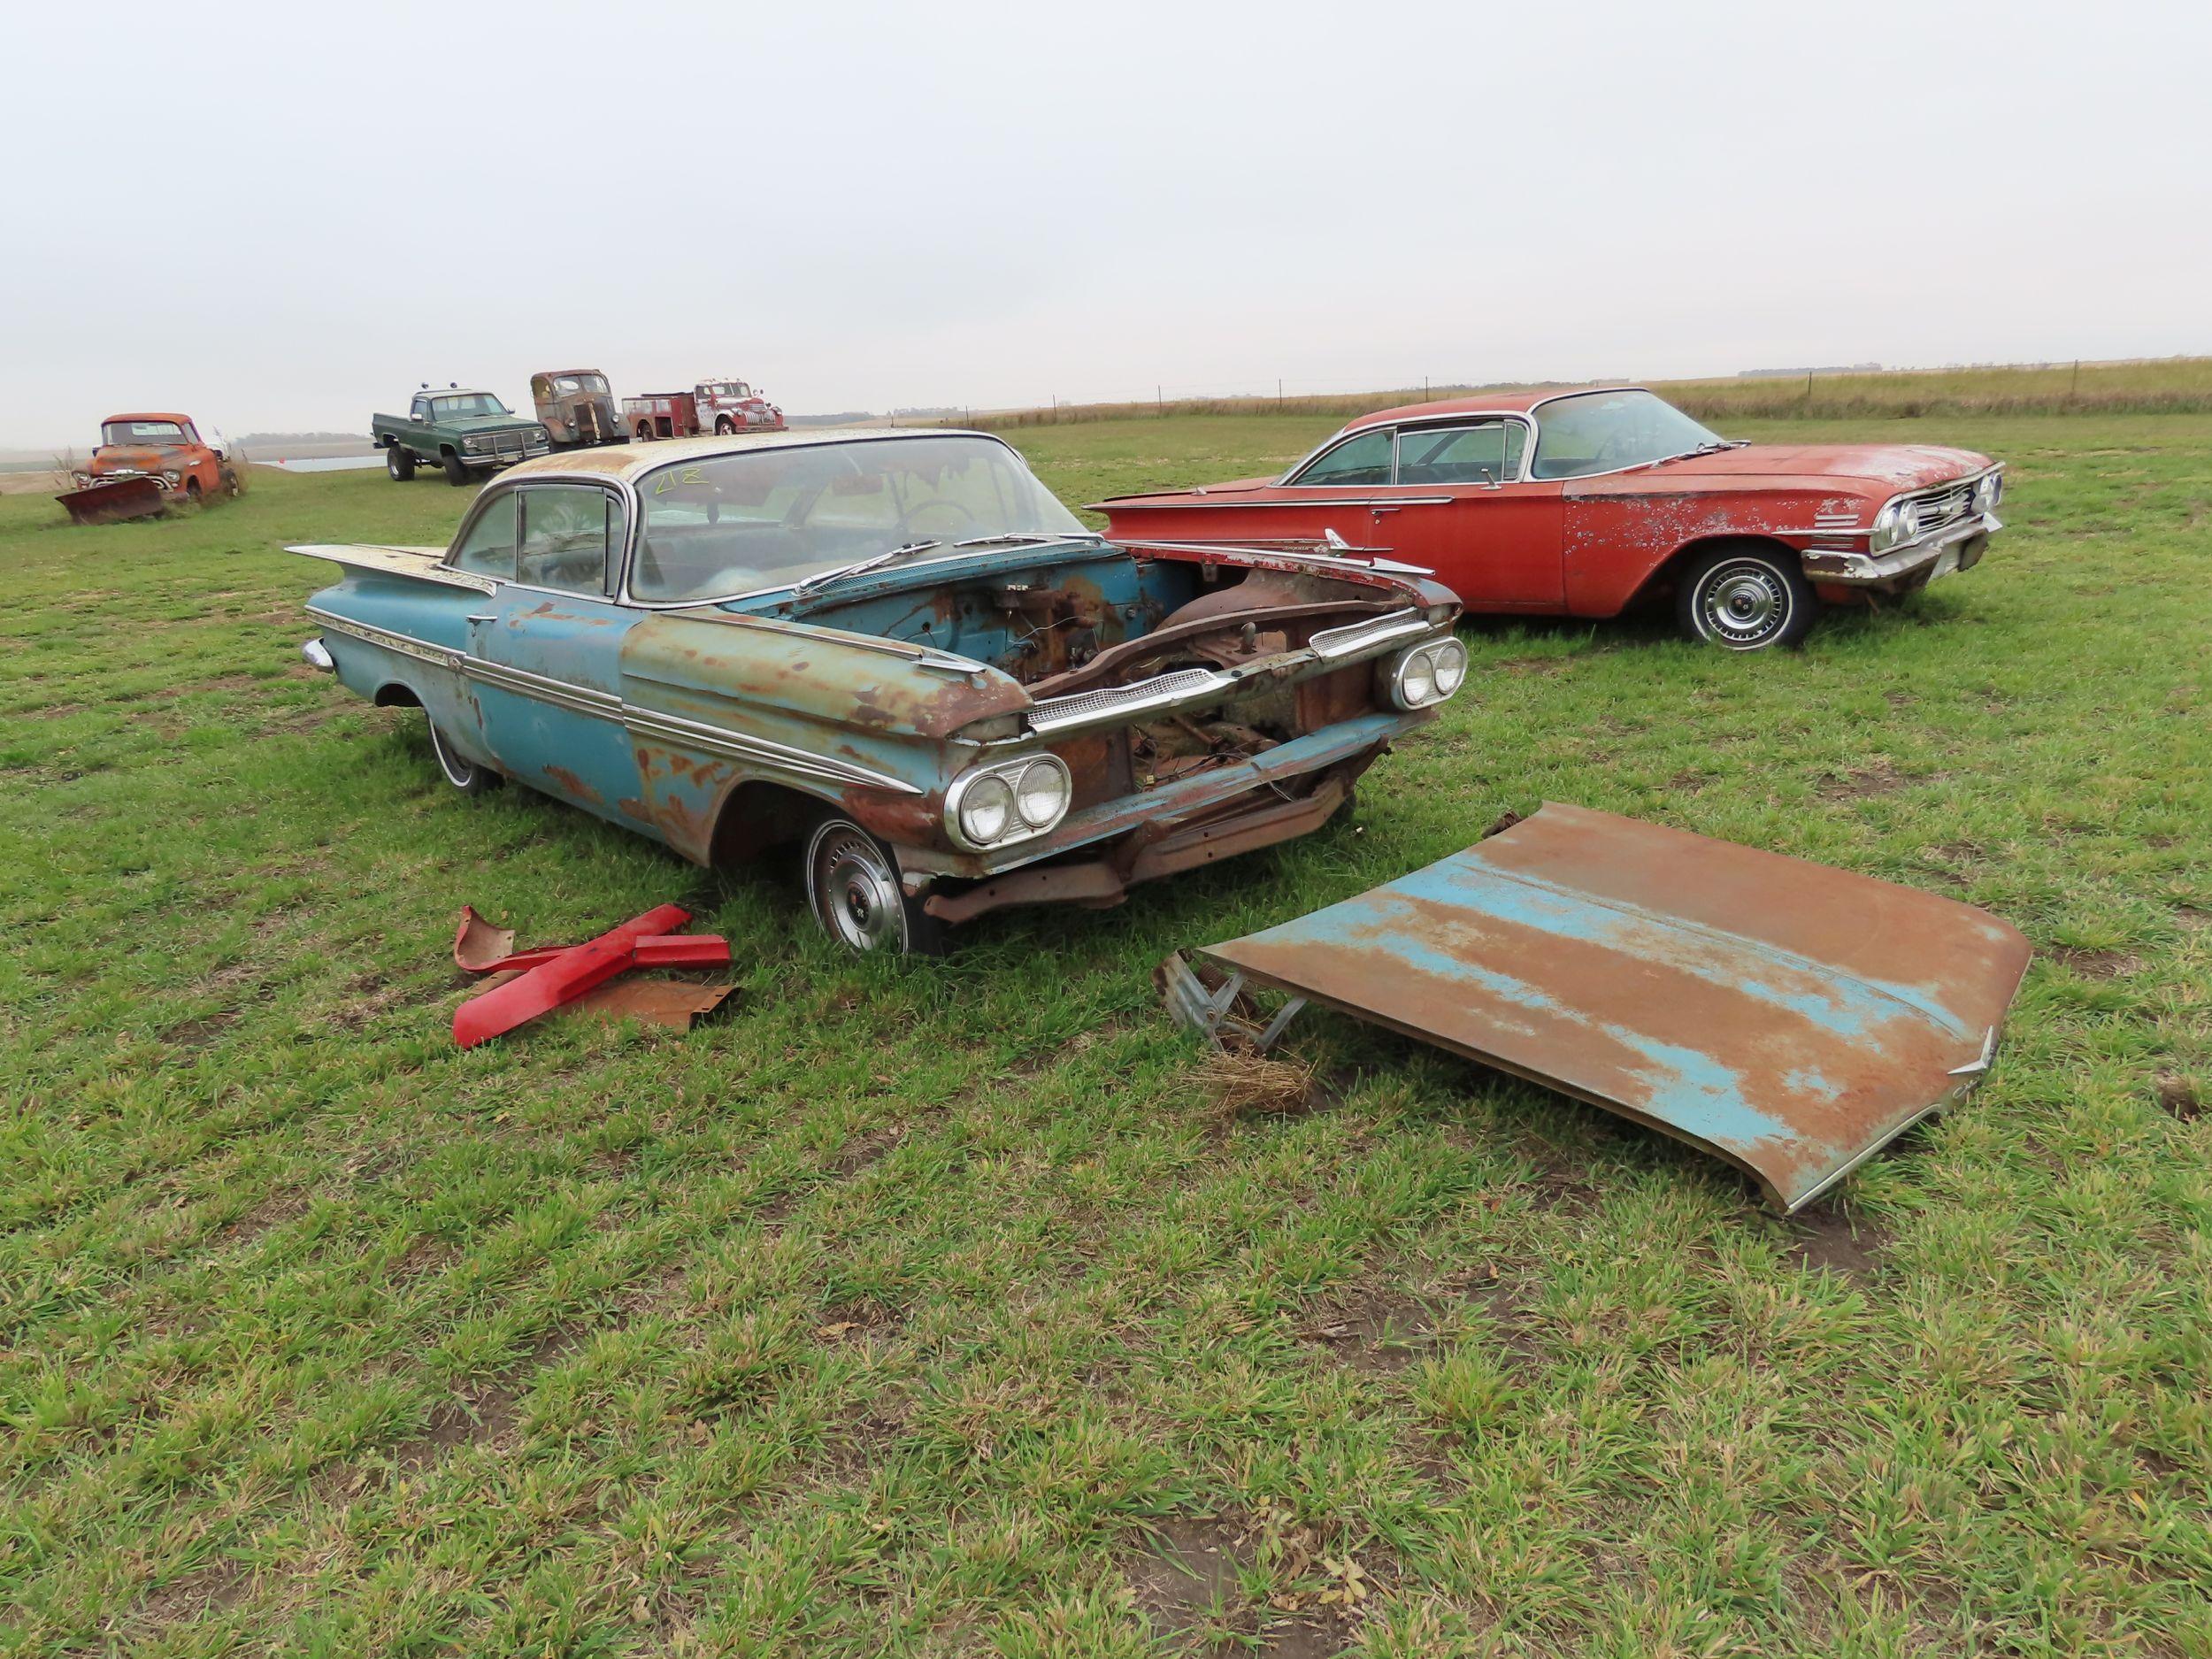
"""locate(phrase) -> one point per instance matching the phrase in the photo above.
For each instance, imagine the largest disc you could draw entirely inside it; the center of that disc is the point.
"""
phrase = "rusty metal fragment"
(1788, 1018)
(529, 983)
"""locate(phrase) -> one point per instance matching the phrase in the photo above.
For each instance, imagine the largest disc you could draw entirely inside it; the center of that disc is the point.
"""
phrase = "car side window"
(488, 548)
(420, 409)
(1485, 452)
(1364, 459)
(572, 538)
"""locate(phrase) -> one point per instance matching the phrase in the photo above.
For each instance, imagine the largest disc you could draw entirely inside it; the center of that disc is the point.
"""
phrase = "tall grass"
(2136, 386)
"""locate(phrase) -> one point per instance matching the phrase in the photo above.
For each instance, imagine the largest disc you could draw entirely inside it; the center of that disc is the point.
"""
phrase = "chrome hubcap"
(1744, 605)
(458, 773)
(856, 892)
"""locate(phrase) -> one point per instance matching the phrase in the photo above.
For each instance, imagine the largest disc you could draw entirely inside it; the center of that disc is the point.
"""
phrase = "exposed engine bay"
(1114, 620)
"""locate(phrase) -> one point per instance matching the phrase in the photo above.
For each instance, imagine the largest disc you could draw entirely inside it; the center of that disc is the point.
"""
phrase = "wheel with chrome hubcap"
(462, 773)
(852, 886)
(1745, 599)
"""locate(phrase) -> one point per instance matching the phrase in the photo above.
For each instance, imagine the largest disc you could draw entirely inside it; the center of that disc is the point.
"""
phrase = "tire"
(464, 775)
(399, 463)
(231, 486)
(852, 887)
(1747, 597)
(192, 490)
(723, 425)
(456, 473)
(645, 432)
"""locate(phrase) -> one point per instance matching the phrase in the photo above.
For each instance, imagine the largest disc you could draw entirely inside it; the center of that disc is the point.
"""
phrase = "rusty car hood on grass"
(1787, 1016)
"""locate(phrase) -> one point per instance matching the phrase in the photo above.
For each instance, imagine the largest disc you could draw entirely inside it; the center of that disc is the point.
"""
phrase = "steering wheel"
(906, 519)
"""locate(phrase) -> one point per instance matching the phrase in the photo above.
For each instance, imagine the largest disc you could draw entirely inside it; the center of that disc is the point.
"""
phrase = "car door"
(1459, 503)
(549, 649)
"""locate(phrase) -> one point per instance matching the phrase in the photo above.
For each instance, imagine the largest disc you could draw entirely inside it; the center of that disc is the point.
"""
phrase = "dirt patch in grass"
(2192, 918)
(200, 1034)
(220, 1584)
(1829, 1241)
(1189, 1584)
(2178, 1097)
(482, 1413)
(2095, 964)
(1372, 1330)
(1879, 776)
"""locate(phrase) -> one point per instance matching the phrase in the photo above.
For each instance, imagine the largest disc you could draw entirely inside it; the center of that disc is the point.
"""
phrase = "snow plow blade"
(1789, 1018)
(105, 503)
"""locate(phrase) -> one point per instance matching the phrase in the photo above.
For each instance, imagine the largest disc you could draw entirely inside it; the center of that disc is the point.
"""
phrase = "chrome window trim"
(1465, 416)
(1337, 441)
(607, 705)
(500, 489)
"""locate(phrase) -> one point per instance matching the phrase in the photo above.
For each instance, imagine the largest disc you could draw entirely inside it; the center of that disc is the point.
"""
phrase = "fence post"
(1278, 394)
(1159, 401)
(2074, 389)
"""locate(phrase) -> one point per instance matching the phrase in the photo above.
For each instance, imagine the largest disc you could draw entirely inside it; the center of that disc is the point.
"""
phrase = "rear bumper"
(1957, 547)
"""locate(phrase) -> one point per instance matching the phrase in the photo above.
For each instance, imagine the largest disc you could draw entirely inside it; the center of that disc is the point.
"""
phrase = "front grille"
(1056, 713)
(1925, 513)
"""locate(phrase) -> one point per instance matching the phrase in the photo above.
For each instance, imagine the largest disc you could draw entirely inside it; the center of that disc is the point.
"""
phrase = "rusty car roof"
(630, 461)
(1481, 403)
(150, 414)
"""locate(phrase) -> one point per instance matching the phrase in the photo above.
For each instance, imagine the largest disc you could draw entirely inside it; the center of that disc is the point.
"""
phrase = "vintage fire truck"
(721, 407)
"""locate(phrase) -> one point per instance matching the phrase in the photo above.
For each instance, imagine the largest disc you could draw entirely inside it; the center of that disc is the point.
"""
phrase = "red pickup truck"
(721, 407)
(1582, 502)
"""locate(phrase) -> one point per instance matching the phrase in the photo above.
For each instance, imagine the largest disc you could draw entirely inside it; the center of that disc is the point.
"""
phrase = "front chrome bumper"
(1957, 546)
(1168, 804)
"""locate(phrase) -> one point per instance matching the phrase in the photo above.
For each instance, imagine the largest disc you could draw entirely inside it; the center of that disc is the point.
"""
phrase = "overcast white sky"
(283, 219)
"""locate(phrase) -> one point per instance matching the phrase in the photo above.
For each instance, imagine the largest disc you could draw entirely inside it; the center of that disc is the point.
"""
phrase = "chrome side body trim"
(607, 705)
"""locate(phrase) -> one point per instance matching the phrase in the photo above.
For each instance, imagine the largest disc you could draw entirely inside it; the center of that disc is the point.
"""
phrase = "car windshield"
(767, 517)
(464, 404)
(730, 388)
(592, 383)
(141, 432)
(1603, 431)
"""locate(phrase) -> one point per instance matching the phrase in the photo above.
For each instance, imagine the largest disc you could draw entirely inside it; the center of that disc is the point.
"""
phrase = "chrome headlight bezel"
(1888, 528)
(1417, 677)
(473, 444)
(1988, 492)
(1028, 778)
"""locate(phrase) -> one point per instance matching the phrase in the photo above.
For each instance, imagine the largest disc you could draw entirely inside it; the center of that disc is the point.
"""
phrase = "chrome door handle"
(487, 617)
(1379, 510)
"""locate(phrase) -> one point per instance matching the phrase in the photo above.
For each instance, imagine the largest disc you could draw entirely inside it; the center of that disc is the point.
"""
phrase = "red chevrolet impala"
(1580, 502)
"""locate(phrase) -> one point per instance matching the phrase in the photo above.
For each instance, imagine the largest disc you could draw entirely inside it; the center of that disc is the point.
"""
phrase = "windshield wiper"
(1714, 448)
(1028, 538)
(825, 578)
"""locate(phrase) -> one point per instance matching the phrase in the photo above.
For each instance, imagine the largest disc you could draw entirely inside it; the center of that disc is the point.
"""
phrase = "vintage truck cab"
(465, 432)
(576, 407)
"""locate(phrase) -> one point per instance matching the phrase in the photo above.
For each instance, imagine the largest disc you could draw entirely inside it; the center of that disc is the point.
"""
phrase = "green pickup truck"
(466, 433)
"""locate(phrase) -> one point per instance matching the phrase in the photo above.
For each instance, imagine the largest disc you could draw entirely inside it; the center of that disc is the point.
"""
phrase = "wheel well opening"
(394, 695)
(759, 817)
(1670, 572)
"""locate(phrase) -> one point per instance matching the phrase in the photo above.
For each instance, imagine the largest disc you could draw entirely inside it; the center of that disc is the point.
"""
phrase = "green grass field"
(943, 1308)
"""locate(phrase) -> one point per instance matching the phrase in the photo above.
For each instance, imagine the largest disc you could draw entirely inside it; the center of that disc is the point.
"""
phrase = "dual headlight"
(1895, 523)
(1426, 673)
(994, 806)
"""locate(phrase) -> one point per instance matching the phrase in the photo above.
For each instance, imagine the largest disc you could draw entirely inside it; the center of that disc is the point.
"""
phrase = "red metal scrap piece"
(555, 976)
